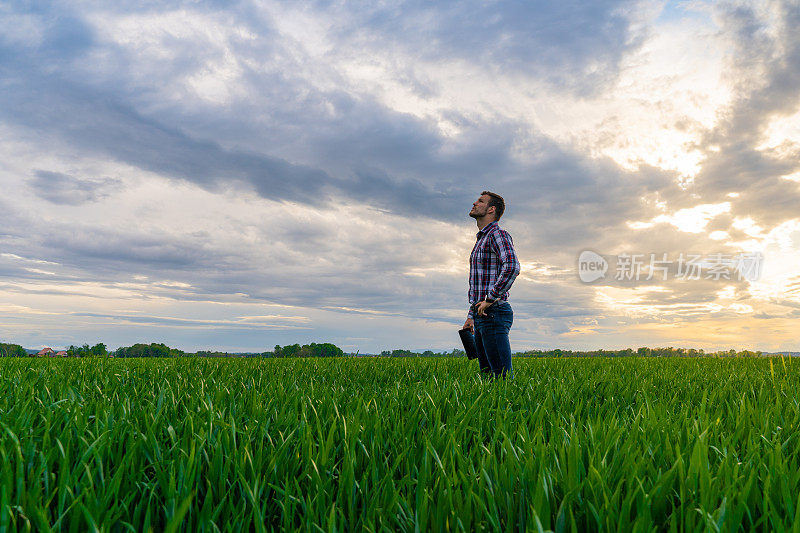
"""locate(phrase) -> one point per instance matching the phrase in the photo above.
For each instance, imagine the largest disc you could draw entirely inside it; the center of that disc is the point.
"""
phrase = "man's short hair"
(496, 201)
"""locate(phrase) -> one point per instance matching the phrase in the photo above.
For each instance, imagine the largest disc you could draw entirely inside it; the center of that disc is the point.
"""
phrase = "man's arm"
(503, 246)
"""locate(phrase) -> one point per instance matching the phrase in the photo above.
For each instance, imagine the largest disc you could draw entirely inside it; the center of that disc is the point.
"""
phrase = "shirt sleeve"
(503, 246)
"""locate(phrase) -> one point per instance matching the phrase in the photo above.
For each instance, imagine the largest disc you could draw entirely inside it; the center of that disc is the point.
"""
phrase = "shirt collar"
(485, 229)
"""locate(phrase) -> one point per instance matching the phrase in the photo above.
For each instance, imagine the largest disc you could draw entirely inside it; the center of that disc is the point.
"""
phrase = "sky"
(236, 175)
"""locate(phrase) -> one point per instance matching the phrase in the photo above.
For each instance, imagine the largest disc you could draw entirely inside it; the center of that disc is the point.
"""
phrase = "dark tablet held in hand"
(468, 340)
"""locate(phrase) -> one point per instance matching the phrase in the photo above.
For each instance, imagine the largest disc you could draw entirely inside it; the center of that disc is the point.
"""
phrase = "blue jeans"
(491, 340)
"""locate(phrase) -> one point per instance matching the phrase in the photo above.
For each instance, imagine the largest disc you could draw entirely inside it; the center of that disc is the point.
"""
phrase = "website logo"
(591, 266)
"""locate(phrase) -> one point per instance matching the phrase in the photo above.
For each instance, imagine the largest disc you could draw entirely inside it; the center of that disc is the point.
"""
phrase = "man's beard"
(475, 214)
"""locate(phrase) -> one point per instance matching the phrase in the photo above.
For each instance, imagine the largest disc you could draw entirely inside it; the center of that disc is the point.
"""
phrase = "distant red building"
(45, 352)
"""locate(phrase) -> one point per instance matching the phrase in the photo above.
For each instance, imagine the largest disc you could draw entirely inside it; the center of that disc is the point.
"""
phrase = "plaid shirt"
(493, 265)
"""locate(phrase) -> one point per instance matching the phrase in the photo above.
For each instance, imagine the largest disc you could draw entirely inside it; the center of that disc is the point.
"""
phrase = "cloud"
(269, 323)
(765, 69)
(395, 153)
(324, 155)
(576, 49)
(62, 189)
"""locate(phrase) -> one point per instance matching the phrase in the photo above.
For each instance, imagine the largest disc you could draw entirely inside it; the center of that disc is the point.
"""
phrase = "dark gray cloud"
(98, 124)
(572, 45)
(364, 150)
(128, 248)
(62, 189)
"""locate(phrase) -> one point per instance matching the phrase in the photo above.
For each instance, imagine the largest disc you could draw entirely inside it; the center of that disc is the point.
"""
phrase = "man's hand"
(470, 325)
(482, 307)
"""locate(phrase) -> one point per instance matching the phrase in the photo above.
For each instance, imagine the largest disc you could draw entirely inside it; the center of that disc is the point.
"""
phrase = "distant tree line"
(324, 349)
(641, 352)
(15, 350)
(149, 350)
(98, 350)
(331, 350)
(293, 350)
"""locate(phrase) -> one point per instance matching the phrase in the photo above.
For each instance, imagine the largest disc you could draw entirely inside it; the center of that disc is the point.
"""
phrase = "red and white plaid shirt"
(493, 265)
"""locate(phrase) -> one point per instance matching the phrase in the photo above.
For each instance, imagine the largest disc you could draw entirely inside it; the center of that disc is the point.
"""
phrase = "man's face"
(480, 206)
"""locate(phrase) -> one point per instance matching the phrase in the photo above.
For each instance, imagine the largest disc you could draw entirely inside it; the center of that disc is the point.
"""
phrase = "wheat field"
(345, 444)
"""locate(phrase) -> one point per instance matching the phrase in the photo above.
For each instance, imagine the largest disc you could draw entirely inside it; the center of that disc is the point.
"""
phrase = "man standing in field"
(493, 267)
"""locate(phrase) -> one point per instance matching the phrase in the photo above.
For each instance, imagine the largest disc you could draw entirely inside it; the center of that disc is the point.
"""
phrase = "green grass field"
(387, 444)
